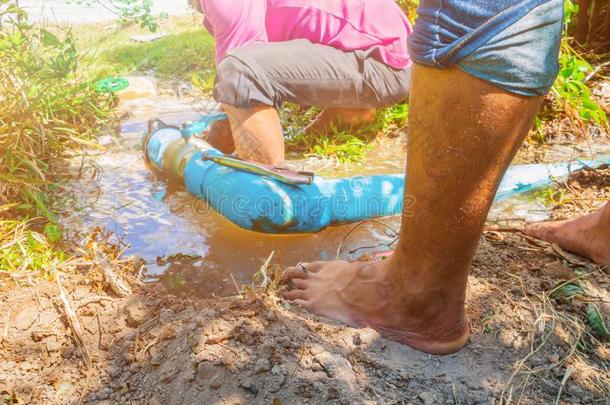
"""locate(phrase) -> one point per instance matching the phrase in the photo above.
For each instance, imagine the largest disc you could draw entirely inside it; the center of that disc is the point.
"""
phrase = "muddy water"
(185, 244)
(190, 247)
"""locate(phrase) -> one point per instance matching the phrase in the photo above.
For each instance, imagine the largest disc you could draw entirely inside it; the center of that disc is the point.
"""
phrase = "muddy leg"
(257, 133)
(463, 133)
(220, 136)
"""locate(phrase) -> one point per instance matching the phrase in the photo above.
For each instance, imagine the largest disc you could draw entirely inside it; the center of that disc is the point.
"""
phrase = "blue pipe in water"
(266, 205)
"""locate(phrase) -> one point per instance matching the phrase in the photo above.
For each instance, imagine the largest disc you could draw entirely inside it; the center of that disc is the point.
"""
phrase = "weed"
(570, 93)
(570, 88)
(341, 145)
(392, 118)
(22, 248)
(45, 109)
(551, 196)
(345, 147)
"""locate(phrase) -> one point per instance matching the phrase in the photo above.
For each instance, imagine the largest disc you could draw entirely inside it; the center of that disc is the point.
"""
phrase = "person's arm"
(235, 23)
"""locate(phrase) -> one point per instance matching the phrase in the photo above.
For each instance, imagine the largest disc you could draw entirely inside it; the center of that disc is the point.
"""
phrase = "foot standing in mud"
(588, 235)
(347, 57)
(482, 69)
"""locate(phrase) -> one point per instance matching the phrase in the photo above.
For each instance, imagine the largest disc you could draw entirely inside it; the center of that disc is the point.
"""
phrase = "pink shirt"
(349, 25)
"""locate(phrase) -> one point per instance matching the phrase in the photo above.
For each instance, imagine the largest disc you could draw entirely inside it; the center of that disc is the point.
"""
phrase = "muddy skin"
(462, 135)
(588, 235)
(221, 137)
(257, 134)
(432, 321)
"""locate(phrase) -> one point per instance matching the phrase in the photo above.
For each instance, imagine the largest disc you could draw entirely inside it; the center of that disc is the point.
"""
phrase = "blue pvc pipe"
(266, 205)
(520, 179)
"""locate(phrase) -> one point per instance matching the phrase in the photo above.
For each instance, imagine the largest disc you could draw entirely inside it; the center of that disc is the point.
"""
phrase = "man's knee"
(237, 84)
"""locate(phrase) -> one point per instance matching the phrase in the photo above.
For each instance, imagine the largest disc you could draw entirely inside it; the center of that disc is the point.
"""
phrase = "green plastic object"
(111, 84)
(596, 320)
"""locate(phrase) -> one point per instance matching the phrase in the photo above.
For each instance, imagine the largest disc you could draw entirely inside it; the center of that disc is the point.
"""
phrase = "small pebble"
(249, 385)
(206, 370)
(262, 365)
(427, 397)
(553, 359)
(216, 382)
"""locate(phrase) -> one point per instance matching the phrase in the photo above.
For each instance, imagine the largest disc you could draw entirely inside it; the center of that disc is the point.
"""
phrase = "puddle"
(187, 245)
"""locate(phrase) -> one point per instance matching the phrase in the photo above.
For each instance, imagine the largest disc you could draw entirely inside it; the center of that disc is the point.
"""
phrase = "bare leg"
(340, 118)
(220, 136)
(588, 235)
(257, 133)
(463, 134)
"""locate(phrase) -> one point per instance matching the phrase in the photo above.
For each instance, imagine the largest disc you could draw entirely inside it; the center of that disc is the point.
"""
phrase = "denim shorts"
(513, 44)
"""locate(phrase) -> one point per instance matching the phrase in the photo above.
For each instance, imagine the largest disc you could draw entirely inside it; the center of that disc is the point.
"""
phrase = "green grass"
(187, 52)
(180, 55)
(46, 108)
(347, 146)
(551, 196)
(570, 95)
(22, 248)
(341, 145)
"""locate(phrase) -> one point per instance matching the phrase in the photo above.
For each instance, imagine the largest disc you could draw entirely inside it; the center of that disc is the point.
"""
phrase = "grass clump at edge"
(46, 108)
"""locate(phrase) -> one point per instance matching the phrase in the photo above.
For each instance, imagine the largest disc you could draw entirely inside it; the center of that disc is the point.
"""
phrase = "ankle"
(450, 277)
(433, 297)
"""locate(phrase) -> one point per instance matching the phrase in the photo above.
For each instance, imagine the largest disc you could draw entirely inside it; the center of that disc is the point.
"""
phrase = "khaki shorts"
(307, 74)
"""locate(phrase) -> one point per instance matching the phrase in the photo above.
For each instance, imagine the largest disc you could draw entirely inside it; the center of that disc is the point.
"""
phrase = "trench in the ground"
(191, 248)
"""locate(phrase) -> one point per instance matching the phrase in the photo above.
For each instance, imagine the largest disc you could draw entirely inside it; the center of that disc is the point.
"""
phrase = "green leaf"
(596, 320)
(568, 291)
(49, 39)
(52, 232)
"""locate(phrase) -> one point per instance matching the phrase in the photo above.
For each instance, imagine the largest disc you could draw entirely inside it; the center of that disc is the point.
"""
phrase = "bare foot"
(364, 294)
(340, 118)
(588, 235)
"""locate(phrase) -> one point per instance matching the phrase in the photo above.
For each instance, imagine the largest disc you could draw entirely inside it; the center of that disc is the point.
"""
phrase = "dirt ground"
(528, 344)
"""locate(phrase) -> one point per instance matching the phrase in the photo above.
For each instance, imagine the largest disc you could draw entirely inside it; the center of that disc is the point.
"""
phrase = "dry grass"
(550, 325)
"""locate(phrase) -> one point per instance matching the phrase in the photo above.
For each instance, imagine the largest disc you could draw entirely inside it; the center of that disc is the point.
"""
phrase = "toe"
(315, 267)
(293, 273)
(304, 303)
(296, 294)
(300, 284)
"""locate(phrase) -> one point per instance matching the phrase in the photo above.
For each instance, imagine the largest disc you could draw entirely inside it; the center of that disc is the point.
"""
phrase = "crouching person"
(349, 57)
